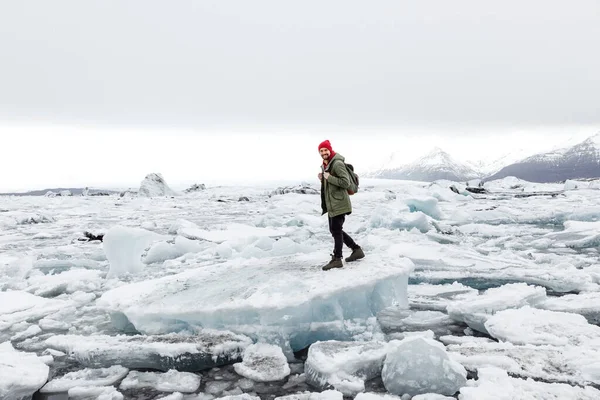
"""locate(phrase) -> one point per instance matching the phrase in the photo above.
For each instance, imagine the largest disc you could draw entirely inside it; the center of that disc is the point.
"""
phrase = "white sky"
(190, 88)
(74, 156)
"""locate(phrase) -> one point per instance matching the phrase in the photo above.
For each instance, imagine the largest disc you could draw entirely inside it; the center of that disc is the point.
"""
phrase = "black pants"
(340, 237)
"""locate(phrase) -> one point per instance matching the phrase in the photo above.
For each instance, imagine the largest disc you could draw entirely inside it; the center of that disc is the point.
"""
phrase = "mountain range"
(581, 160)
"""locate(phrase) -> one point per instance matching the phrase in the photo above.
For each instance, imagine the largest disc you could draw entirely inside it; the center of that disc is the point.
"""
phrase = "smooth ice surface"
(495, 384)
(420, 366)
(475, 312)
(395, 319)
(256, 297)
(170, 381)
(86, 377)
(124, 247)
(21, 374)
(95, 393)
(263, 363)
(344, 365)
(533, 326)
(195, 352)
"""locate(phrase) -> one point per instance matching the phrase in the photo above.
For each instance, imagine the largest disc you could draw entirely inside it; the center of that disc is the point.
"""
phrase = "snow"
(420, 366)
(344, 365)
(21, 374)
(475, 312)
(263, 363)
(85, 378)
(170, 381)
(200, 350)
(495, 384)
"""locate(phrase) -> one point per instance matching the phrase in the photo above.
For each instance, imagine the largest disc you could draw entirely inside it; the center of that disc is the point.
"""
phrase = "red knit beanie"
(326, 145)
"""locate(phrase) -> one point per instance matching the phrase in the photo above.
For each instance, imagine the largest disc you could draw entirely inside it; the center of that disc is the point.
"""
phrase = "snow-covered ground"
(219, 292)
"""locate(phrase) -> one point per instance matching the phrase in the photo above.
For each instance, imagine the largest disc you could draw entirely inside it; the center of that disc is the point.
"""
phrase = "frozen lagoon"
(259, 256)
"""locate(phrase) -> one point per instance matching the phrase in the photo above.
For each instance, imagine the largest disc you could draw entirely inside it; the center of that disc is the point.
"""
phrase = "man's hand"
(326, 175)
(320, 176)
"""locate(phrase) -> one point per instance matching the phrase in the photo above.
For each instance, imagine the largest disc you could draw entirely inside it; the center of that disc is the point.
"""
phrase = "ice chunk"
(204, 349)
(232, 232)
(33, 330)
(163, 251)
(71, 281)
(154, 185)
(263, 363)
(324, 395)
(533, 326)
(344, 365)
(84, 378)
(574, 365)
(172, 396)
(495, 384)
(437, 297)
(95, 393)
(427, 205)
(170, 381)
(380, 396)
(475, 312)
(284, 296)
(586, 304)
(395, 319)
(420, 366)
(124, 248)
(18, 306)
(21, 374)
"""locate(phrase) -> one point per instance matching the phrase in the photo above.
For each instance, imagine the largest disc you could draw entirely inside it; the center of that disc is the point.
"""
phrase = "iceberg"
(279, 300)
(586, 304)
(395, 319)
(421, 366)
(202, 350)
(154, 185)
(324, 395)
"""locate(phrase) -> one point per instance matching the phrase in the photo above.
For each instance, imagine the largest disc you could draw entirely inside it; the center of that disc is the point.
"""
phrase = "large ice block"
(283, 296)
(196, 352)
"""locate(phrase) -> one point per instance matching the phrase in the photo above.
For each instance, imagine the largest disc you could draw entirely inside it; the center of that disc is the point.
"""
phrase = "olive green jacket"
(335, 199)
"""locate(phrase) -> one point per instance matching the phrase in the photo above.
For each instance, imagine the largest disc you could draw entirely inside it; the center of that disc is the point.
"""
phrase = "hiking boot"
(357, 254)
(334, 263)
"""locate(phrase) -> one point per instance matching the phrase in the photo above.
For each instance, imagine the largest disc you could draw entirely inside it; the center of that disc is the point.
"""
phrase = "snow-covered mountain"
(579, 161)
(435, 165)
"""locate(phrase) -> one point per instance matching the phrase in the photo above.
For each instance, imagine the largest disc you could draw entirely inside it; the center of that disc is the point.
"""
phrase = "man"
(335, 201)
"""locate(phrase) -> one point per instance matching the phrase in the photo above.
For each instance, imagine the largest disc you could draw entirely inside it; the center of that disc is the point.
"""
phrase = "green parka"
(335, 199)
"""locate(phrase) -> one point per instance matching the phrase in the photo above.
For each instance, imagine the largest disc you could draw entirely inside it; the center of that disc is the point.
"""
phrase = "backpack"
(354, 181)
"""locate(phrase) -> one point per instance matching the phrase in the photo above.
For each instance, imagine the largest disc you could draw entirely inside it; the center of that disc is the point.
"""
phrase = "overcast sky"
(77, 75)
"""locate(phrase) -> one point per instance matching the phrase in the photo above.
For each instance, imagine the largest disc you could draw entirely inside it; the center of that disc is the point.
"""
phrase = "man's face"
(325, 153)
